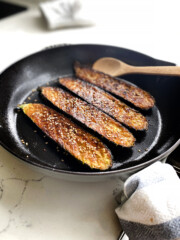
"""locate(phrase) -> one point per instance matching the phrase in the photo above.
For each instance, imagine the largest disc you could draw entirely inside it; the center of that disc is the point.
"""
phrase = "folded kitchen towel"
(64, 13)
(150, 204)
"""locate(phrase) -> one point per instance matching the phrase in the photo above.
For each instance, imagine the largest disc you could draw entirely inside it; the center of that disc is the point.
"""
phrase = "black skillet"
(19, 136)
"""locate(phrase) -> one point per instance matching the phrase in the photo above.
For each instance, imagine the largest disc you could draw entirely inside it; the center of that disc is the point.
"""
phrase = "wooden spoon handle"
(164, 70)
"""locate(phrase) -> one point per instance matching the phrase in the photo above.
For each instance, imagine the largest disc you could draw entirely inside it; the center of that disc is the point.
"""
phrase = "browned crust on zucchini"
(135, 95)
(106, 103)
(81, 144)
(89, 115)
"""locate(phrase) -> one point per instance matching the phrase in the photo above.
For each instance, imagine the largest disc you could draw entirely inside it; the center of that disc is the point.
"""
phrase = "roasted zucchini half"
(89, 115)
(133, 94)
(79, 143)
(106, 102)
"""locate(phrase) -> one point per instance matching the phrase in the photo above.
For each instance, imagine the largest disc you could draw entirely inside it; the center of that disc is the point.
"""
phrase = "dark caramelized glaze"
(89, 115)
(135, 95)
(81, 144)
(106, 102)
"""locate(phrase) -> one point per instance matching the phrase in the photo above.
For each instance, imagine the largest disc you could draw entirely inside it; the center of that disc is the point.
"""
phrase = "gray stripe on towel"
(137, 183)
(166, 231)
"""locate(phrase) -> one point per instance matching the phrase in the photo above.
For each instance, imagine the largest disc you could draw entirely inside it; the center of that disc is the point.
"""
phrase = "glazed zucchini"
(106, 102)
(79, 143)
(89, 115)
(133, 94)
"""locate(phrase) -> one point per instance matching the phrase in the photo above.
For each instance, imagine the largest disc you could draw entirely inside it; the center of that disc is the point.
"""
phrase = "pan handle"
(123, 236)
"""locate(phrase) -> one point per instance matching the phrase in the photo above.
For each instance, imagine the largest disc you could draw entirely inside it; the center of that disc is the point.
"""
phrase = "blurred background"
(149, 26)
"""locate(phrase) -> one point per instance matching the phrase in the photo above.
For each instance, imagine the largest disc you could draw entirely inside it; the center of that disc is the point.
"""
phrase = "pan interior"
(37, 147)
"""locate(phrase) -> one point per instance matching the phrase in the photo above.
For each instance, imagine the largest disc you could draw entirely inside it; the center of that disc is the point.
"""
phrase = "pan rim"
(48, 48)
(108, 172)
(104, 173)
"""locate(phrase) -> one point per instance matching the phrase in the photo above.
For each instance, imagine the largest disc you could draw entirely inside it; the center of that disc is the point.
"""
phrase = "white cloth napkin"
(64, 13)
(150, 204)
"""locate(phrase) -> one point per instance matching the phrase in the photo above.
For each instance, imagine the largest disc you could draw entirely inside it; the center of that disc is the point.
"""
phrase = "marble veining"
(16, 205)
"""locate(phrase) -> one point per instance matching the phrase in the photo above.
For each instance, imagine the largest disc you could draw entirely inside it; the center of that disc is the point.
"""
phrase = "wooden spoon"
(115, 67)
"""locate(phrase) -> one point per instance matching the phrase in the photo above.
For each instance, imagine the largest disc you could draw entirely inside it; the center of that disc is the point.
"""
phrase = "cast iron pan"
(22, 138)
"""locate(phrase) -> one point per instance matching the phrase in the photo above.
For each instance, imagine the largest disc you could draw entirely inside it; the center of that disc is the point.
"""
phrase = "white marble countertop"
(33, 205)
